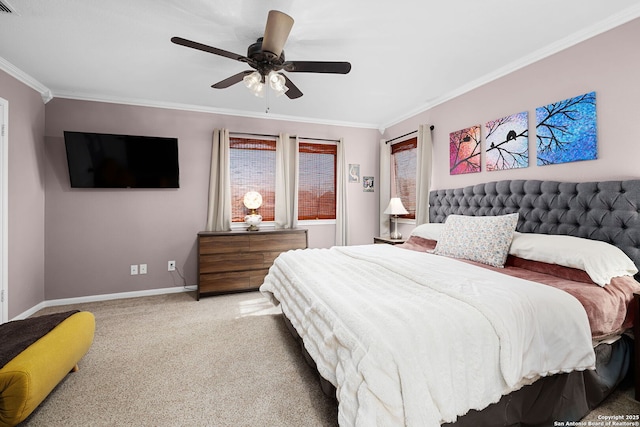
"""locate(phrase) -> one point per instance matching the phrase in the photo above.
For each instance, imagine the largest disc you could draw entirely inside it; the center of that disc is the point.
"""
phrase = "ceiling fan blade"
(229, 81)
(293, 91)
(210, 49)
(317, 67)
(276, 32)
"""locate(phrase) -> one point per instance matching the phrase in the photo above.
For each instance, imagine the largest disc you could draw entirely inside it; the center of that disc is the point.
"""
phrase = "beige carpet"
(169, 360)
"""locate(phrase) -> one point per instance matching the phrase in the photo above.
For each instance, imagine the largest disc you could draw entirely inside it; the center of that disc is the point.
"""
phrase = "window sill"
(271, 225)
(406, 221)
(306, 222)
(239, 226)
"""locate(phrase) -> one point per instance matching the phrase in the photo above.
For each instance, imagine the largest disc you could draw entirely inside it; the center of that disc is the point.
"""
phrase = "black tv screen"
(98, 160)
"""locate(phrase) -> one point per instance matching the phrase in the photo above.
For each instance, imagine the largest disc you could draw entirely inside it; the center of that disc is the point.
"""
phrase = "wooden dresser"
(232, 261)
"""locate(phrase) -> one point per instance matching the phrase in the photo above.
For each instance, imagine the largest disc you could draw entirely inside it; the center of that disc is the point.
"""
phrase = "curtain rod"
(320, 139)
(432, 127)
(275, 136)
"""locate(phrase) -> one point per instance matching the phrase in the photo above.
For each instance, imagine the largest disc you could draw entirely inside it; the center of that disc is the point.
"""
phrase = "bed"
(513, 307)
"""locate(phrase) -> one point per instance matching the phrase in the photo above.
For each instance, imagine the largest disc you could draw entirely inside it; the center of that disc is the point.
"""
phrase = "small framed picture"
(354, 173)
(367, 184)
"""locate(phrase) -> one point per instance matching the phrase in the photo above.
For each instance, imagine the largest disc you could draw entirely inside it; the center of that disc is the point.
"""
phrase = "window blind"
(403, 174)
(317, 181)
(253, 168)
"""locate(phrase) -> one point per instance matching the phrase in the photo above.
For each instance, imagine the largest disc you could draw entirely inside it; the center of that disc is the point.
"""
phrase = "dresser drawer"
(231, 281)
(232, 262)
(282, 243)
(223, 244)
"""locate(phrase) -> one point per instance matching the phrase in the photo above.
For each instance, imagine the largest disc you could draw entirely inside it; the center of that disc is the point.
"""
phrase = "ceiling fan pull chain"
(266, 100)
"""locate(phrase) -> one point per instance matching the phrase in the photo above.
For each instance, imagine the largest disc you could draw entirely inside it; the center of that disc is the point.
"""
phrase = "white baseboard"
(105, 297)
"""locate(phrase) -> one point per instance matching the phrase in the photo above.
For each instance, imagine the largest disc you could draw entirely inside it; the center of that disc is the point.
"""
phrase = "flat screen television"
(98, 160)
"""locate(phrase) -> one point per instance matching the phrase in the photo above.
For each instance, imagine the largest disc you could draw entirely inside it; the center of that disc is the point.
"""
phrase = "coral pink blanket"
(608, 308)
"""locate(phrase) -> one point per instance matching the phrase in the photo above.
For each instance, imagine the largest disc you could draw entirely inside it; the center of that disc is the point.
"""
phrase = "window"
(317, 181)
(403, 174)
(253, 168)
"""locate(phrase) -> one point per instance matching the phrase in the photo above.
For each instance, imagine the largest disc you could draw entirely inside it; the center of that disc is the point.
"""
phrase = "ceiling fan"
(266, 57)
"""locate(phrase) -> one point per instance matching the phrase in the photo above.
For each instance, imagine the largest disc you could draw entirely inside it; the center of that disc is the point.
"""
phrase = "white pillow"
(429, 231)
(600, 260)
(484, 239)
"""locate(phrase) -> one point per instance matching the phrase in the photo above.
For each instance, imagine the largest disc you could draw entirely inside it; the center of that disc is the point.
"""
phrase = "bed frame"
(608, 211)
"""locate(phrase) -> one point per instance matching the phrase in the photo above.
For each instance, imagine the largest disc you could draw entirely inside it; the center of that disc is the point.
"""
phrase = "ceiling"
(406, 55)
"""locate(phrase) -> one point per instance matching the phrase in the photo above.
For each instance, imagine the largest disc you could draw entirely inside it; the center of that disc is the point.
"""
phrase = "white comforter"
(410, 338)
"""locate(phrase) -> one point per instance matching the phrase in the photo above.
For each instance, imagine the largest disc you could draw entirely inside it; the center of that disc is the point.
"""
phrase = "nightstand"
(388, 240)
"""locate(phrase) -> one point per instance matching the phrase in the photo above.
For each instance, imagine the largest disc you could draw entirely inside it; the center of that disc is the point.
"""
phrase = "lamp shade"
(254, 82)
(395, 207)
(277, 83)
(252, 200)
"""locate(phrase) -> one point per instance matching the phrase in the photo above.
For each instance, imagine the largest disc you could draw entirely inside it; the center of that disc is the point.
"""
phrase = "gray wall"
(93, 236)
(608, 64)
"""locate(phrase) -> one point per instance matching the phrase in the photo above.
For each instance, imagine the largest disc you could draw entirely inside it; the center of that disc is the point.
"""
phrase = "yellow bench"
(29, 377)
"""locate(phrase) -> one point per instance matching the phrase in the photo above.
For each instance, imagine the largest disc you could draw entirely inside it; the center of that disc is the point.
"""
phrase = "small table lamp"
(395, 208)
(252, 201)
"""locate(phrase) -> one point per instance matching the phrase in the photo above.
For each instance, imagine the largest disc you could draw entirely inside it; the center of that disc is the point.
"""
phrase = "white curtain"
(423, 172)
(286, 205)
(219, 209)
(342, 232)
(385, 185)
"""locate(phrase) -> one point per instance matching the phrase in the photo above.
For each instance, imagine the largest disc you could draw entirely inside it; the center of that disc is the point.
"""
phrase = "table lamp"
(395, 208)
(252, 201)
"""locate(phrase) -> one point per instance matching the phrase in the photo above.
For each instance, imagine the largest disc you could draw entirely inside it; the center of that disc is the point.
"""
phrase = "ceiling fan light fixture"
(280, 92)
(252, 80)
(258, 90)
(277, 82)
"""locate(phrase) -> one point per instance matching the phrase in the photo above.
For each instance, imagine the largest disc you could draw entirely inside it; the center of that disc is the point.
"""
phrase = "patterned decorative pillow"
(484, 239)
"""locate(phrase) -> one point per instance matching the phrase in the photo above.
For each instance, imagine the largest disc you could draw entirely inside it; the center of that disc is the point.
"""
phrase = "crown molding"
(25, 78)
(47, 95)
(610, 23)
(203, 109)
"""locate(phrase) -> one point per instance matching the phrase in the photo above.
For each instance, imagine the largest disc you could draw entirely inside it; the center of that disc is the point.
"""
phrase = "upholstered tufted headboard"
(607, 211)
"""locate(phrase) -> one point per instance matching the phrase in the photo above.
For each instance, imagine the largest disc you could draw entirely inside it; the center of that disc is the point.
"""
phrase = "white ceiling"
(406, 55)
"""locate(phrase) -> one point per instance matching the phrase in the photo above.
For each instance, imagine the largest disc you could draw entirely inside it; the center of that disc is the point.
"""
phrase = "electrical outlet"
(134, 269)
(143, 268)
(171, 266)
